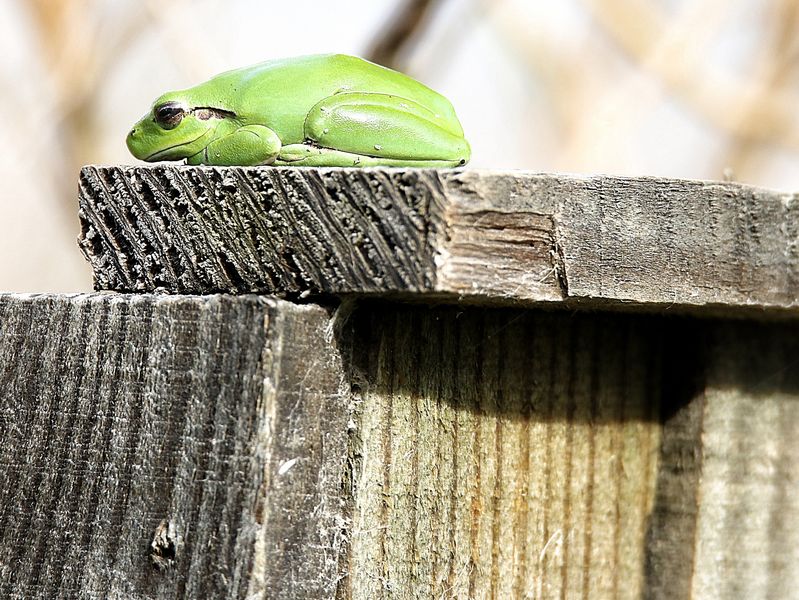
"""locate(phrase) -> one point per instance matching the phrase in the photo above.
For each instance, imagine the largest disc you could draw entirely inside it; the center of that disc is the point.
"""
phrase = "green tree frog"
(325, 110)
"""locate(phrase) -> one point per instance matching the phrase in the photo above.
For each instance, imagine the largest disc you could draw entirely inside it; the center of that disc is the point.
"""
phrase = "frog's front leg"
(248, 145)
(367, 129)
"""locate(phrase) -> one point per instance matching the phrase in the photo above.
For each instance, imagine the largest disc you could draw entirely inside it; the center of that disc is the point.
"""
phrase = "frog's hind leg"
(381, 129)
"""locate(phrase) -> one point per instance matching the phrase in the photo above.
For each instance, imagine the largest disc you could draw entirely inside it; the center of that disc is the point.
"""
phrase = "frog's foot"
(246, 146)
(310, 155)
(393, 131)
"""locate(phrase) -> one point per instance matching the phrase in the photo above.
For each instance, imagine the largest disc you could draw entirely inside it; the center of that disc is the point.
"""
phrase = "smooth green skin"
(326, 110)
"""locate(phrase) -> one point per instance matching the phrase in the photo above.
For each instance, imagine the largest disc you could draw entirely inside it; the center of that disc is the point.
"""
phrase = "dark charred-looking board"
(169, 447)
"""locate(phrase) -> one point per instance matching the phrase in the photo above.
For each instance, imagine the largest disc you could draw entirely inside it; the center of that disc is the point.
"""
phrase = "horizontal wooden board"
(478, 236)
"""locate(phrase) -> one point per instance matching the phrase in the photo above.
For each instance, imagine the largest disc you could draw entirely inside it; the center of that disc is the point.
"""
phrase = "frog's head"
(174, 129)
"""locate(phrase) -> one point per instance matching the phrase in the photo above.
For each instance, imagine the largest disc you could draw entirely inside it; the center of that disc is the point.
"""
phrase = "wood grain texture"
(726, 510)
(748, 519)
(524, 454)
(144, 429)
(481, 236)
(671, 536)
(503, 453)
(222, 447)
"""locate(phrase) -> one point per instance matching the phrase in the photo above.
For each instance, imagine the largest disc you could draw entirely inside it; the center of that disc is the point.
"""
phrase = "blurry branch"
(79, 50)
(560, 71)
(637, 26)
(778, 63)
(628, 103)
(188, 49)
(393, 40)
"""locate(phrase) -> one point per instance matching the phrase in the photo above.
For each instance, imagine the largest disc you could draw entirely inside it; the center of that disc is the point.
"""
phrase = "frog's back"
(280, 93)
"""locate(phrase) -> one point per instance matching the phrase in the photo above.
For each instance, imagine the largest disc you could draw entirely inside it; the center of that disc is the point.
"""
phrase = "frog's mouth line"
(157, 155)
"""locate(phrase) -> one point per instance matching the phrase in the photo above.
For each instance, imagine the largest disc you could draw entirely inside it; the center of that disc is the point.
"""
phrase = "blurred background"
(682, 88)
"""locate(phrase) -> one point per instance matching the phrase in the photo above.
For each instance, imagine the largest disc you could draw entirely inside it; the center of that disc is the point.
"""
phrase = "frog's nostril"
(133, 132)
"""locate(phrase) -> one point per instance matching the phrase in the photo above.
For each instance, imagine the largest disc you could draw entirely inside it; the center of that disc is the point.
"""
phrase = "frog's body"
(327, 110)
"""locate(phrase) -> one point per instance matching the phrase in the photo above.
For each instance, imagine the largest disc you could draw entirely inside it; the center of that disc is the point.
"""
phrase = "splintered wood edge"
(481, 237)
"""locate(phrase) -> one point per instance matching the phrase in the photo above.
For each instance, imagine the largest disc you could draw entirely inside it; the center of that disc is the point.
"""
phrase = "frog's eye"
(169, 115)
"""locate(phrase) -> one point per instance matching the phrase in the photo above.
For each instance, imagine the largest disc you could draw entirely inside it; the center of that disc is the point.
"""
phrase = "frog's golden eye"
(169, 115)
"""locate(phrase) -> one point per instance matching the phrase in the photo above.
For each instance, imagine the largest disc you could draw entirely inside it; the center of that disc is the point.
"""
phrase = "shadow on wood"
(532, 454)
(505, 452)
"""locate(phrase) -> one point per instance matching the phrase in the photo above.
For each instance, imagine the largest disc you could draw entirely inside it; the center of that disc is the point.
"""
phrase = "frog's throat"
(157, 155)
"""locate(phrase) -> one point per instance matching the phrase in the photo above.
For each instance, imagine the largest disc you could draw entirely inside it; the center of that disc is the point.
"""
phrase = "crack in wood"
(163, 548)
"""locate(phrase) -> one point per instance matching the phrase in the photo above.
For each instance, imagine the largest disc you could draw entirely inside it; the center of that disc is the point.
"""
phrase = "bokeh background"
(683, 88)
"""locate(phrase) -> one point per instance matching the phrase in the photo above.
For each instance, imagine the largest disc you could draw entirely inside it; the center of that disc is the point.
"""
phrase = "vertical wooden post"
(166, 447)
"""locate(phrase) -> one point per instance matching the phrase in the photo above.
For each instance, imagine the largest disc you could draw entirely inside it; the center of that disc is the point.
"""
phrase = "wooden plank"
(503, 453)
(748, 517)
(726, 515)
(526, 454)
(221, 447)
(480, 236)
(169, 447)
(671, 536)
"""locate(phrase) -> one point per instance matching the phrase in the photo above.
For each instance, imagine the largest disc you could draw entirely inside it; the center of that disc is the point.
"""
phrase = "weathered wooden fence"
(476, 384)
